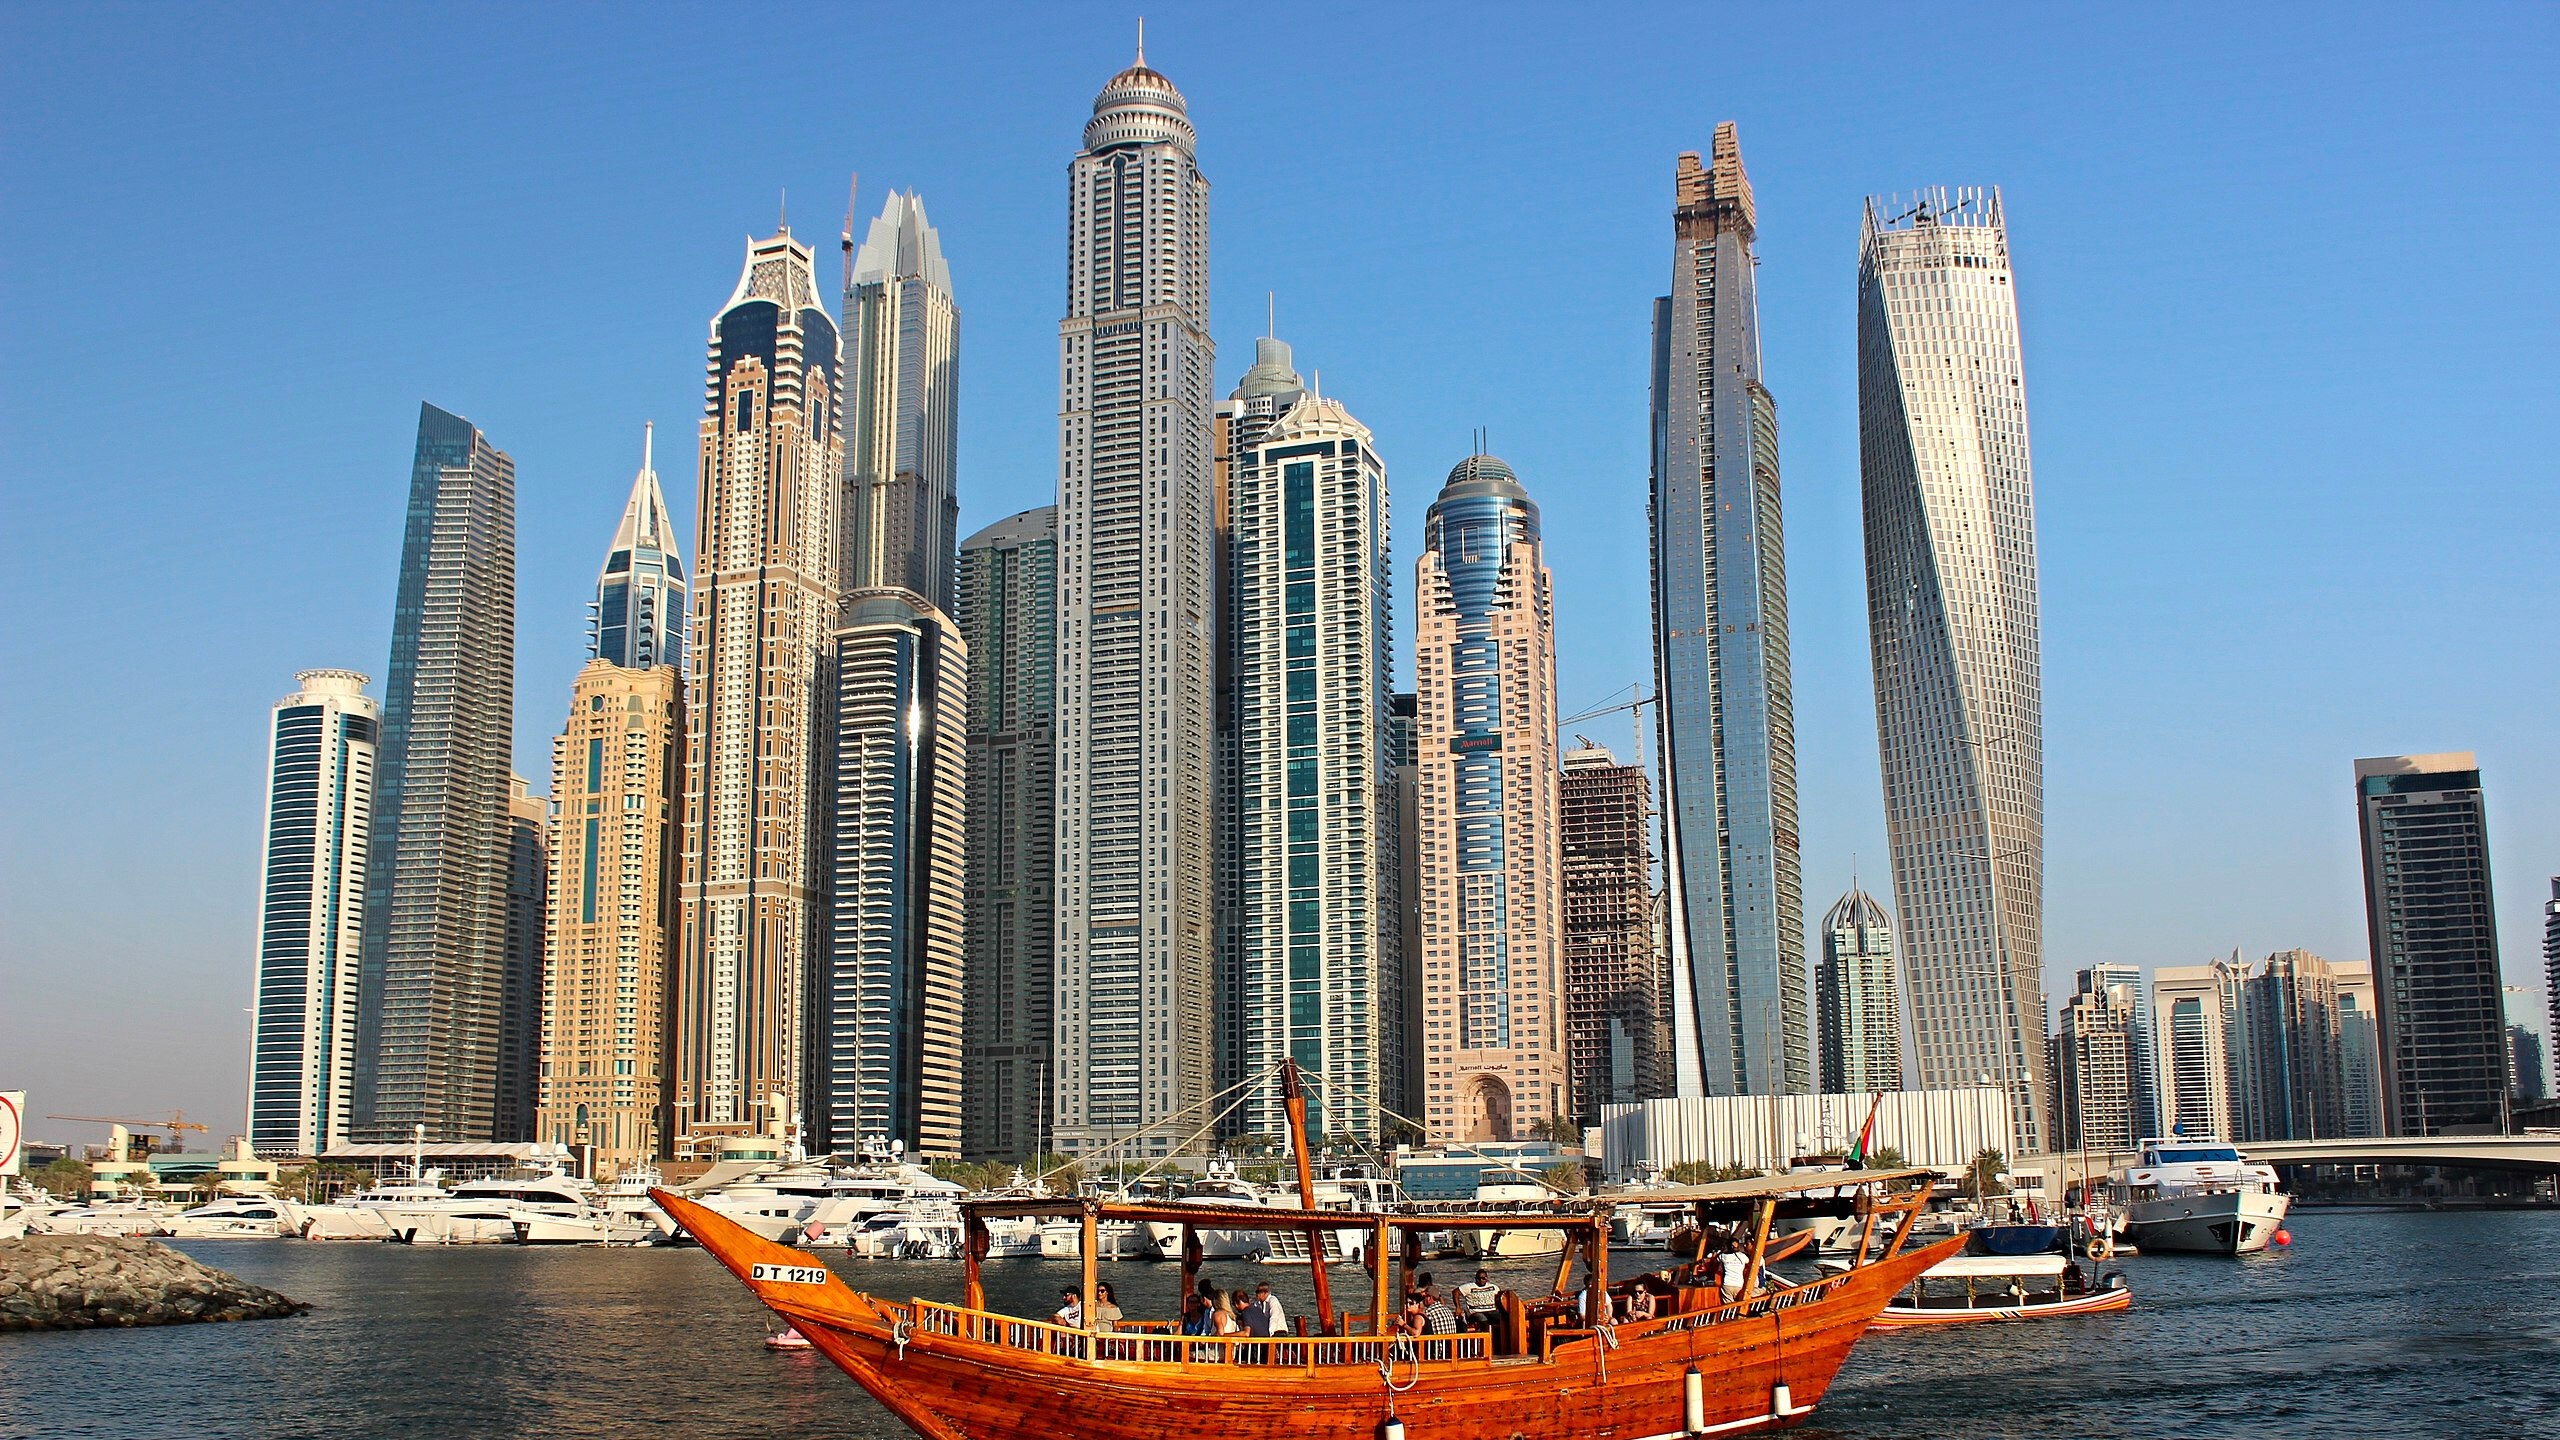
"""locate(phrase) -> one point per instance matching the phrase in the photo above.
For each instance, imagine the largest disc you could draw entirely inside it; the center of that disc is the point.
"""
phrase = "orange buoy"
(2284, 1237)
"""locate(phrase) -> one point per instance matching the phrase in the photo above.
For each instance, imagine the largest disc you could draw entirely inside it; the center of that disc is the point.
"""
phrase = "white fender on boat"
(1693, 1401)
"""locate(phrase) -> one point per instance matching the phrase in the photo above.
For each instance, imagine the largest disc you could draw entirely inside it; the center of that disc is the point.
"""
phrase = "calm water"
(2372, 1325)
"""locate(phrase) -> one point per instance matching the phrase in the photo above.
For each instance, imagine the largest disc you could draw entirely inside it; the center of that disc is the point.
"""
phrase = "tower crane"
(1635, 706)
(175, 1124)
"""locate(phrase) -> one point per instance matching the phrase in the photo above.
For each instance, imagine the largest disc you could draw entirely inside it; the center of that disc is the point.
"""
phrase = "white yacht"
(1221, 1188)
(234, 1217)
(1509, 1188)
(2198, 1195)
(914, 1233)
(107, 1217)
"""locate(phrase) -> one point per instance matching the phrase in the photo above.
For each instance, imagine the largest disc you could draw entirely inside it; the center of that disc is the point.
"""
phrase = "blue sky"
(2286, 278)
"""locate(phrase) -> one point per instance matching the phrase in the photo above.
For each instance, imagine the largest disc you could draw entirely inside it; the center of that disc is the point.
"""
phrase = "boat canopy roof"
(1984, 1267)
(1762, 1187)
(1563, 1215)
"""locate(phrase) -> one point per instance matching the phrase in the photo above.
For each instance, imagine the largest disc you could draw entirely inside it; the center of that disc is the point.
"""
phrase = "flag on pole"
(1866, 1136)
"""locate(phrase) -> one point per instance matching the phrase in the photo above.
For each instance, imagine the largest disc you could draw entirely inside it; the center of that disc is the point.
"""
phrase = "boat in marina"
(2200, 1196)
(1700, 1366)
(1976, 1289)
(106, 1217)
(234, 1217)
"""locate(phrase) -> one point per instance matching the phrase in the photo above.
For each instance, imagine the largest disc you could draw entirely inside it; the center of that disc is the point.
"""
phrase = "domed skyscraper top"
(1484, 475)
(1139, 107)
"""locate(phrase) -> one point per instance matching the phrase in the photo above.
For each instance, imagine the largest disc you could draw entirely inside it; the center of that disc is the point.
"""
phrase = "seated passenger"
(1478, 1303)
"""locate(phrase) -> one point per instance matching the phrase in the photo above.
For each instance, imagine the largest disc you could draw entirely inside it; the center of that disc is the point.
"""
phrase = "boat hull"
(1905, 1317)
(962, 1375)
(2219, 1222)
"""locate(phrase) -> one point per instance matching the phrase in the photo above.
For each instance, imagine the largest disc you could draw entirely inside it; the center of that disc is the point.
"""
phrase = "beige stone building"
(614, 773)
(1494, 1064)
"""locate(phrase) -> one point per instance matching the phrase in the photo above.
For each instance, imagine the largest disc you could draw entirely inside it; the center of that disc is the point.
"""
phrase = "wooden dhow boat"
(1700, 1366)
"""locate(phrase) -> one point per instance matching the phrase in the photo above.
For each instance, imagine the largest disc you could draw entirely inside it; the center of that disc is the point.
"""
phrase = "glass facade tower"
(1952, 622)
(435, 910)
(640, 596)
(2437, 988)
(1009, 618)
(1742, 1022)
(1322, 974)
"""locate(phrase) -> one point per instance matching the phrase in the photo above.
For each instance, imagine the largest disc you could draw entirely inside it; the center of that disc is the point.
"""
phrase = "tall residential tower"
(1009, 618)
(757, 698)
(1951, 617)
(2433, 925)
(1136, 624)
(320, 776)
(1616, 1006)
(1323, 981)
(1859, 998)
(902, 404)
(435, 914)
(1720, 658)
(1494, 1064)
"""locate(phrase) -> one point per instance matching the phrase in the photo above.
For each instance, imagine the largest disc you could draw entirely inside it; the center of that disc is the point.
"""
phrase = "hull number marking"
(793, 1274)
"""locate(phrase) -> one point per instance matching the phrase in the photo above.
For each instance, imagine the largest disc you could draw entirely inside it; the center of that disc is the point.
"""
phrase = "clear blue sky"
(2287, 281)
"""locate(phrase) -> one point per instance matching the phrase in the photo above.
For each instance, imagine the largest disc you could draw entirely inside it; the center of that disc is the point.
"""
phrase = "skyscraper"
(1859, 998)
(2524, 1064)
(2433, 925)
(2551, 955)
(436, 877)
(616, 773)
(2094, 1075)
(1951, 617)
(617, 770)
(320, 780)
(1494, 1065)
(1403, 713)
(1269, 388)
(1616, 1022)
(640, 598)
(1009, 618)
(2359, 1049)
(1314, 651)
(1135, 908)
(887, 1071)
(2201, 1035)
(2293, 1084)
(1720, 657)
(2145, 1042)
(520, 984)
(902, 392)
(765, 607)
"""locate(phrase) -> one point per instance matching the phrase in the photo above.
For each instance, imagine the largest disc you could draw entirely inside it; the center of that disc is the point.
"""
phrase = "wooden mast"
(1295, 1094)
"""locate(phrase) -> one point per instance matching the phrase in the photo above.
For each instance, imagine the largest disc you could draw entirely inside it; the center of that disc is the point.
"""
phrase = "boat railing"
(1149, 1342)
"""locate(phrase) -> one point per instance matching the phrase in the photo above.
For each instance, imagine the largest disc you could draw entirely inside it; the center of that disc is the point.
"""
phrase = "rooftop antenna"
(1271, 314)
(1142, 42)
(786, 210)
(648, 443)
(852, 189)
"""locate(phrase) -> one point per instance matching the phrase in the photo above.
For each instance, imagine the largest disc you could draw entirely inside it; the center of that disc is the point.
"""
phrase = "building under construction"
(1617, 988)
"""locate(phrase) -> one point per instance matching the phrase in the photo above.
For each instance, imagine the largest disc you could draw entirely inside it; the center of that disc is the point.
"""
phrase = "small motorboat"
(2014, 1239)
(786, 1338)
(1974, 1289)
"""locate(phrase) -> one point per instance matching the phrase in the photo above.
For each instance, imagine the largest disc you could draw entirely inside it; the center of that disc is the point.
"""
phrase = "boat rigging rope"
(1042, 1179)
(1387, 1369)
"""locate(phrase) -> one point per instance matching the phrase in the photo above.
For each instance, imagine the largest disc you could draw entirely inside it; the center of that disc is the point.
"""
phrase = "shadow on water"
(2372, 1325)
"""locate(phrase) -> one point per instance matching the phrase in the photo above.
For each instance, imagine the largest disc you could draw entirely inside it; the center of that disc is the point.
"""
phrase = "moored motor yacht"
(2200, 1196)
(235, 1217)
(107, 1217)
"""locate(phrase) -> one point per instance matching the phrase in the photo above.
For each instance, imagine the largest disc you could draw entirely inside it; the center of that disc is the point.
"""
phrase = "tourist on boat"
(1732, 1267)
(1070, 1314)
(1264, 1317)
(1636, 1304)
(1479, 1303)
(1195, 1314)
(1222, 1319)
(1106, 1309)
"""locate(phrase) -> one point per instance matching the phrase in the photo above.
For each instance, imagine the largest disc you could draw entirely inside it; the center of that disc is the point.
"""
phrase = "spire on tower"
(1142, 42)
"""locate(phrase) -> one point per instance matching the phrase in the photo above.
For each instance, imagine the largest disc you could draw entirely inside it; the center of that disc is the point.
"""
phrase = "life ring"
(2102, 1247)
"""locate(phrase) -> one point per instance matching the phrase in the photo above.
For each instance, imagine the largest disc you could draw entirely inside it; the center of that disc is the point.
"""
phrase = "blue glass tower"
(1739, 1001)
(640, 598)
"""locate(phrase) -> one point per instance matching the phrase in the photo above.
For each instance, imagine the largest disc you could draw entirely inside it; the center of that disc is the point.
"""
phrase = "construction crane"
(1636, 705)
(176, 1123)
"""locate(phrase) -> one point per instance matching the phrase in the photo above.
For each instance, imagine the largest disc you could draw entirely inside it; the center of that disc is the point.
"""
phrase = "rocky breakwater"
(62, 1282)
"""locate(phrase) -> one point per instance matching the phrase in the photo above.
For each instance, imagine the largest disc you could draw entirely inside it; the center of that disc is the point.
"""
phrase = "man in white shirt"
(1731, 1267)
(1264, 1316)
